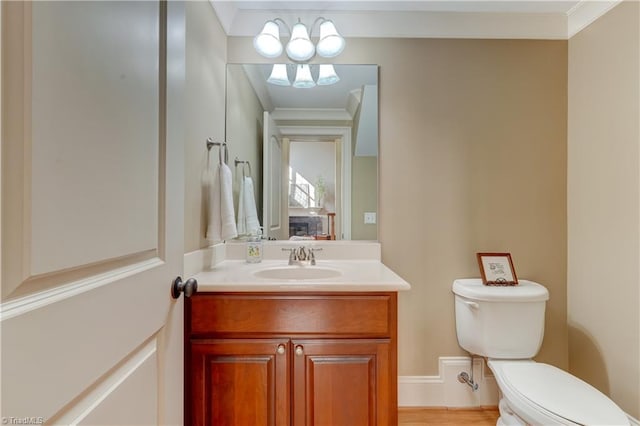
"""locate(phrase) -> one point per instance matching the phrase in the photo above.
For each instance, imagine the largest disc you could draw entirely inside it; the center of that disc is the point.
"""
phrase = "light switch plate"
(369, 217)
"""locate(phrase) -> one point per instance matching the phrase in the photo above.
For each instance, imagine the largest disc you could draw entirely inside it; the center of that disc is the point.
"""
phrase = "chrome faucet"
(302, 254)
(312, 256)
(292, 255)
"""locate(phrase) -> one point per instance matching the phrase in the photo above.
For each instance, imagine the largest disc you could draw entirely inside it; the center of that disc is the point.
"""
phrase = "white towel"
(221, 224)
(210, 179)
(248, 223)
(228, 216)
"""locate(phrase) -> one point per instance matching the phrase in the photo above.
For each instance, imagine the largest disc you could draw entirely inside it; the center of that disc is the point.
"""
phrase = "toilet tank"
(504, 322)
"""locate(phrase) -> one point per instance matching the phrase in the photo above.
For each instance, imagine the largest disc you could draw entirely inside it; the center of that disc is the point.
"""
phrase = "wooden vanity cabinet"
(291, 359)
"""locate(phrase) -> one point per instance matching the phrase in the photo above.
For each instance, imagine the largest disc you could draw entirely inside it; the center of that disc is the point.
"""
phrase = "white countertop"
(356, 275)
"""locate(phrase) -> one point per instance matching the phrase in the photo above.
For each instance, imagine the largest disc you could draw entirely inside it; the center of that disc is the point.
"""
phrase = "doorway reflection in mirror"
(312, 187)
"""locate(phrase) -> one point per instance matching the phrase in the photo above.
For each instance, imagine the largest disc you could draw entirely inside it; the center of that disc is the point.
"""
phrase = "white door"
(274, 211)
(92, 216)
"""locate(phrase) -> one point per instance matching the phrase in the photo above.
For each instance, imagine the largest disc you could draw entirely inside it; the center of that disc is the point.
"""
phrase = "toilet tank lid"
(525, 291)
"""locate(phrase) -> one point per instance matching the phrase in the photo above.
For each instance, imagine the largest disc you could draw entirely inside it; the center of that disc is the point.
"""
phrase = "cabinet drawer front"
(334, 315)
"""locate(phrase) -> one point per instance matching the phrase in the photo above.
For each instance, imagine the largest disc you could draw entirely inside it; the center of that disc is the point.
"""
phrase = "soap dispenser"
(254, 247)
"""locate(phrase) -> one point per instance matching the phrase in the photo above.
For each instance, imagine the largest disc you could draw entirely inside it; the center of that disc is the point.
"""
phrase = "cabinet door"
(342, 383)
(240, 382)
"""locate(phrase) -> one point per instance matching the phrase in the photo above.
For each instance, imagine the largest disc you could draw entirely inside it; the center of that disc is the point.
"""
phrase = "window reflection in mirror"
(313, 151)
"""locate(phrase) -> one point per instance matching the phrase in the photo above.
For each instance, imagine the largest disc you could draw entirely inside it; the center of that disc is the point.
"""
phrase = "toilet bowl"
(506, 325)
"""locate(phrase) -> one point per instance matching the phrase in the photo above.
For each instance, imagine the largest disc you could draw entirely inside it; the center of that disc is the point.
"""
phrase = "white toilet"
(506, 325)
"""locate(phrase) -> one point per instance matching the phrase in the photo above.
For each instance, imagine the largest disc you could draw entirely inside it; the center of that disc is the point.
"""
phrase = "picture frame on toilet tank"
(497, 269)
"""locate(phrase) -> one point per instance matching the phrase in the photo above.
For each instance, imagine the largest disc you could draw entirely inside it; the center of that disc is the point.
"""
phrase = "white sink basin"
(298, 273)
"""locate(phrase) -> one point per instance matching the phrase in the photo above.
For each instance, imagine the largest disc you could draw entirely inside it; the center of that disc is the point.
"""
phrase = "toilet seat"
(541, 393)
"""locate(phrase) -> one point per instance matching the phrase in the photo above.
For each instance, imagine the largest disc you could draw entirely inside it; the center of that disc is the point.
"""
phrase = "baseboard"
(444, 390)
(199, 260)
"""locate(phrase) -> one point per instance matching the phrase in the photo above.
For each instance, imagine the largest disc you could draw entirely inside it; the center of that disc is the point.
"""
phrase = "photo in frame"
(497, 269)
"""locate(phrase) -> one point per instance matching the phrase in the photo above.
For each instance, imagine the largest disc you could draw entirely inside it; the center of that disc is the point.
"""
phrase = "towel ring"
(223, 146)
(244, 164)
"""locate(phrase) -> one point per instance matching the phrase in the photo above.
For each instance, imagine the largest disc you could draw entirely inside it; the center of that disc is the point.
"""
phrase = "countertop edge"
(237, 276)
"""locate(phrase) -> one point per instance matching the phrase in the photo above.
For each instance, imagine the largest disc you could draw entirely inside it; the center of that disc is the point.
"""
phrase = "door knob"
(187, 287)
(281, 349)
(299, 350)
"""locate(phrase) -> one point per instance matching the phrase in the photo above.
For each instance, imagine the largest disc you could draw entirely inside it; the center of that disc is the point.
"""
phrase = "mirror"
(312, 152)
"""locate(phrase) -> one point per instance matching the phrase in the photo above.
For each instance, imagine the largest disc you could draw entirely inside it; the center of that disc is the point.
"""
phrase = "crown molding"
(311, 114)
(239, 22)
(585, 13)
(404, 24)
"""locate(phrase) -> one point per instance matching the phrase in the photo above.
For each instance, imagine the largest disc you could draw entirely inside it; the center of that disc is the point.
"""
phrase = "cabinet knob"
(188, 288)
(281, 349)
(299, 350)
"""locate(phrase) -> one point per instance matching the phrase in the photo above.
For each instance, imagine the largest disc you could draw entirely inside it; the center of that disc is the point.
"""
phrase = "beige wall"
(472, 158)
(604, 205)
(206, 53)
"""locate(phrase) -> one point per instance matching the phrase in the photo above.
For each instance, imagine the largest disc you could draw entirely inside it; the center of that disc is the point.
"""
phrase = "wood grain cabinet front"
(239, 382)
(291, 359)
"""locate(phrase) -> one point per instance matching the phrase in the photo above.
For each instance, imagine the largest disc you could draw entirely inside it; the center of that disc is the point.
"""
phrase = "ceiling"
(541, 19)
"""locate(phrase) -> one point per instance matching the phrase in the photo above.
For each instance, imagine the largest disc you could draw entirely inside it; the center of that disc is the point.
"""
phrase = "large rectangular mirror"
(312, 153)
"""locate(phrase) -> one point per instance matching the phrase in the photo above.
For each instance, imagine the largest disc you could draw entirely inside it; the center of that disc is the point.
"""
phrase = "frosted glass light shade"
(300, 48)
(279, 75)
(331, 43)
(267, 43)
(303, 77)
(327, 75)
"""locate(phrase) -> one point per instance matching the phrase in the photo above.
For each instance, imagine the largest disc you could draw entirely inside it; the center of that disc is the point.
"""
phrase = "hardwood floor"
(448, 416)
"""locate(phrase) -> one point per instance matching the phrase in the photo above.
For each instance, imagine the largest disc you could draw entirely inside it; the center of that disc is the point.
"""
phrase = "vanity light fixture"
(303, 76)
(267, 43)
(327, 75)
(300, 48)
(331, 43)
(279, 75)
